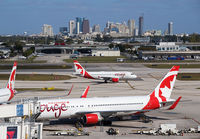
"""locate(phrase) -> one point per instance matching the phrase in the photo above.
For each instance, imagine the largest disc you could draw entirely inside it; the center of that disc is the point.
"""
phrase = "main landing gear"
(145, 118)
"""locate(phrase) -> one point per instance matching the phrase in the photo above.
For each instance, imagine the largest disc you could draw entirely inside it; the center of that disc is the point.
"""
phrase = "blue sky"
(18, 16)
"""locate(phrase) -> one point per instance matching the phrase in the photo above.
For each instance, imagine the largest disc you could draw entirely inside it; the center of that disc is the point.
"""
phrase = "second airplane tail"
(11, 81)
(78, 68)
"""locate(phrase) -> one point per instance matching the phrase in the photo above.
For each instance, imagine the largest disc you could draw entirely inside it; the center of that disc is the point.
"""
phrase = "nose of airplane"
(134, 76)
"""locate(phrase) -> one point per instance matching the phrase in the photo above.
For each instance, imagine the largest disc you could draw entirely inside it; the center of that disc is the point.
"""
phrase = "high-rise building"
(79, 25)
(108, 24)
(141, 25)
(131, 26)
(136, 31)
(170, 28)
(63, 30)
(96, 28)
(86, 26)
(47, 30)
(72, 27)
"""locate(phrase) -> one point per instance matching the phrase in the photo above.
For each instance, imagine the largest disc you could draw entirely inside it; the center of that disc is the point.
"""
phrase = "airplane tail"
(164, 89)
(78, 68)
(11, 81)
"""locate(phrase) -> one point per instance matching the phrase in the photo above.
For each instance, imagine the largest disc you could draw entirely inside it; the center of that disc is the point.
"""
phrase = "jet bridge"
(19, 120)
(23, 109)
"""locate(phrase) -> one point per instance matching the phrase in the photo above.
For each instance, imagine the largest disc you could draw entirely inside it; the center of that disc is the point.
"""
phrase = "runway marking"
(192, 120)
(157, 78)
(129, 84)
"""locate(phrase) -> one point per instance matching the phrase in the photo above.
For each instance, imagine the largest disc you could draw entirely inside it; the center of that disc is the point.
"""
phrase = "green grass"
(97, 59)
(189, 76)
(36, 77)
(39, 89)
(168, 66)
(113, 59)
(39, 66)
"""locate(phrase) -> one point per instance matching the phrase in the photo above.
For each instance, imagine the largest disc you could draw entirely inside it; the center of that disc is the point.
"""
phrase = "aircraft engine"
(92, 118)
(115, 79)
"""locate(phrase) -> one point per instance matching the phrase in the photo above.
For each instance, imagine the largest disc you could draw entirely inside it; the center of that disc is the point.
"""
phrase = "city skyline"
(28, 16)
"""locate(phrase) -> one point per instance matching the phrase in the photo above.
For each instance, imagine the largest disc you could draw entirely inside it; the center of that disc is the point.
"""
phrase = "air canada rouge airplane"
(6, 94)
(93, 110)
(103, 75)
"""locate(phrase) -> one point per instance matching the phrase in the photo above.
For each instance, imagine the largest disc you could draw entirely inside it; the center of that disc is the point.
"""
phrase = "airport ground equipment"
(70, 132)
(112, 131)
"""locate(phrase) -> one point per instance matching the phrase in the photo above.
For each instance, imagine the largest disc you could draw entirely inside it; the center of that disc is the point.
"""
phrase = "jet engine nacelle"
(115, 79)
(91, 118)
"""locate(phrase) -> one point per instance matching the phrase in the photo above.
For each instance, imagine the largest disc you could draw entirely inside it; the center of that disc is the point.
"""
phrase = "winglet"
(174, 104)
(84, 95)
(70, 90)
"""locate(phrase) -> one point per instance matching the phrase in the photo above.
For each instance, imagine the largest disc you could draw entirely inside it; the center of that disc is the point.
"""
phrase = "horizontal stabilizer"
(174, 104)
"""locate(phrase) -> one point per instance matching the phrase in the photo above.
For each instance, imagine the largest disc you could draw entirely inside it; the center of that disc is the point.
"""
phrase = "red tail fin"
(11, 81)
(84, 95)
(164, 89)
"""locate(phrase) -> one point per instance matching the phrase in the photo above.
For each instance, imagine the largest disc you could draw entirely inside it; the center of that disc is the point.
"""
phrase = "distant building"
(165, 32)
(105, 53)
(108, 24)
(63, 30)
(117, 29)
(86, 26)
(170, 28)
(47, 30)
(136, 32)
(79, 25)
(96, 28)
(72, 27)
(141, 25)
(141, 39)
(167, 46)
(131, 27)
(153, 33)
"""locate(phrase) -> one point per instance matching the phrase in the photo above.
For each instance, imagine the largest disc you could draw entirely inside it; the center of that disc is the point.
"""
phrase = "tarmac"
(185, 115)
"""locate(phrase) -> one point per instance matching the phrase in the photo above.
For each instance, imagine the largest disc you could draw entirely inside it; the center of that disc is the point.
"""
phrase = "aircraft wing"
(37, 98)
(110, 112)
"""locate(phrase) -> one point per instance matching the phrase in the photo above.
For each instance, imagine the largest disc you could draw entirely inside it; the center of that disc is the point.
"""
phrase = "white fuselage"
(65, 108)
(4, 95)
(121, 75)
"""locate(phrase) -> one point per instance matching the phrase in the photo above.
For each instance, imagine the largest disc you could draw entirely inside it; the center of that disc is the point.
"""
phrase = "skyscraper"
(131, 26)
(170, 28)
(79, 25)
(86, 26)
(71, 27)
(47, 30)
(136, 31)
(96, 28)
(141, 25)
(63, 30)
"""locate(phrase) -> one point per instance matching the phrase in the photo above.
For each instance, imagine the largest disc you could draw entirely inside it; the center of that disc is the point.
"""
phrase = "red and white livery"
(93, 110)
(6, 94)
(102, 75)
